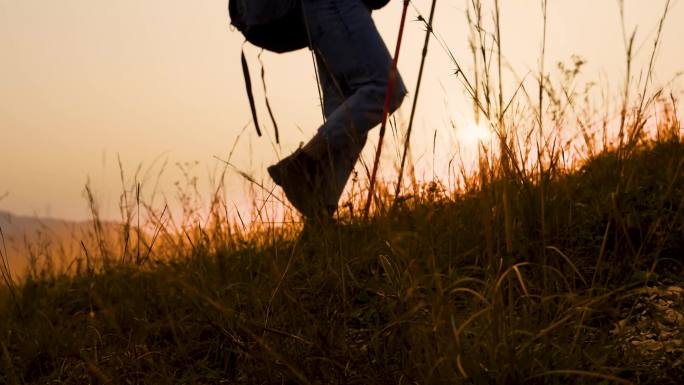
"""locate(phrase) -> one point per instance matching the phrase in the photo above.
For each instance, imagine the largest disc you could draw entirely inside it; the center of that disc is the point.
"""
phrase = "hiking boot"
(302, 179)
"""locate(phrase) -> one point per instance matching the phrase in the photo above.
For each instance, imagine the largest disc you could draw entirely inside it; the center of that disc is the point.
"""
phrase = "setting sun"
(473, 134)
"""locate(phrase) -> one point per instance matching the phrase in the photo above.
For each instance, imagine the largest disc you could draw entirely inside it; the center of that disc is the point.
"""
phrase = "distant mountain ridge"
(31, 237)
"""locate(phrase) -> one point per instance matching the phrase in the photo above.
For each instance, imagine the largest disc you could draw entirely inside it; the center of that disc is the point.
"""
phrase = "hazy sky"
(83, 82)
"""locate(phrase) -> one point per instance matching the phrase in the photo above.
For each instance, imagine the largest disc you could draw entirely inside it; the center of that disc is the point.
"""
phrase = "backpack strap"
(250, 94)
(268, 104)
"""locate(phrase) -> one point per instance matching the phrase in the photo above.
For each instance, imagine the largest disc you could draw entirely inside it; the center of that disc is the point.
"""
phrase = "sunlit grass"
(425, 291)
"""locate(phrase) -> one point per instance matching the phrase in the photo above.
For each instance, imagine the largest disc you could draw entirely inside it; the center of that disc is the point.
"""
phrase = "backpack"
(375, 4)
(275, 25)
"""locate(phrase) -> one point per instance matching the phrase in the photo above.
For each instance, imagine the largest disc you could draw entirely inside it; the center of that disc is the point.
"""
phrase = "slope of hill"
(576, 279)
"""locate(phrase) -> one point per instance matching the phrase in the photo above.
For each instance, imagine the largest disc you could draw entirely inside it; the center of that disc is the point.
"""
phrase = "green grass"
(430, 291)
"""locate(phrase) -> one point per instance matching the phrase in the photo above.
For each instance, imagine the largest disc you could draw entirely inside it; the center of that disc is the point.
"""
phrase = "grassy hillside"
(573, 277)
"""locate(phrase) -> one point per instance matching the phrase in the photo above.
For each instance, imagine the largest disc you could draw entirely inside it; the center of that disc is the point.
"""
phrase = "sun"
(473, 133)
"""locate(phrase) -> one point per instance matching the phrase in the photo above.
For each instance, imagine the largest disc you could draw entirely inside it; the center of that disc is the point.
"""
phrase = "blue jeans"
(354, 67)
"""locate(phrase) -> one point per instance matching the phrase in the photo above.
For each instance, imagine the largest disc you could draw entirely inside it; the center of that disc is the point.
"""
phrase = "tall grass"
(519, 276)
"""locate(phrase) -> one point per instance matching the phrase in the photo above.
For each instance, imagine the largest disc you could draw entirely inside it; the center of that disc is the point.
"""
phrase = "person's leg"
(334, 90)
(354, 58)
(341, 162)
(355, 66)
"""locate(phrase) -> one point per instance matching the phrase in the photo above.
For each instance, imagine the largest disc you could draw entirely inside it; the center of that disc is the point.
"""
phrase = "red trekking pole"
(385, 112)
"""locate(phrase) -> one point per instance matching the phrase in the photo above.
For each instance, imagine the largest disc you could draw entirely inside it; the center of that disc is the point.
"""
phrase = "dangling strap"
(268, 105)
(250, 94)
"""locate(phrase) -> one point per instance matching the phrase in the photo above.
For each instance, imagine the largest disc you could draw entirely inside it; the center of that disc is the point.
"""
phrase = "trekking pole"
(428, 32)
(385, 112)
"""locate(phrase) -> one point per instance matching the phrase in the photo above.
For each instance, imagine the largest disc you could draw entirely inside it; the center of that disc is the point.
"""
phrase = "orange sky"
(85, 81)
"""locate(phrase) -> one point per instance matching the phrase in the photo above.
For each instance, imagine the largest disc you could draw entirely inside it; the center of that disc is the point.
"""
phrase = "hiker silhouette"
(354, 68)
